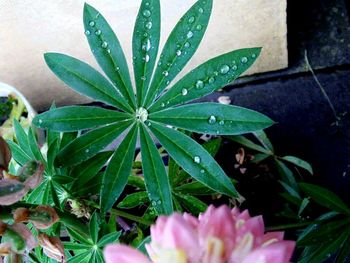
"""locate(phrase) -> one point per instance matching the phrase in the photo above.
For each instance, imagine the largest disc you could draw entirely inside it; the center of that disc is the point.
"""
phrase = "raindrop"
(167, 83)
(87, 32)
(244, 60)
(234, 68)
(146, 13)
(178, 53)
(224, 69)
(159, 63)
(104, 44)
(202, 171)
(159, 202)
(40, 121)
(165, 73)
(217, 132)
(162, 105)
(117, 68)
(191, 19)
(212, 119)
(97, 15)
(98, 32)
(189, 34)
(187, 45)
(253, 56)
(201, 10)
(221, 123)
(216, 73)
(199, 27)
(146, 46)
(199, 84)
(149, 25)
(108, 51)
(154, 203)
(149, 124)
(146, 58)
(197, 159)
(92, 23)
(143, 78)
(211, 80)
(87, 150)
(184, 92)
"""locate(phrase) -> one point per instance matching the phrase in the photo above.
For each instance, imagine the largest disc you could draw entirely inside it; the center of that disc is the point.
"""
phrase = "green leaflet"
(251, 145)
(94, 227)
(194, 159)
(85, 80)
(76, 118)
(325, 198)
(118, 171)
(156, 178)
(33, 144)
(180, 47)
(134, 200)
(298, 162)
(17, 153)
(22, 138)
(213, 118)
(85, 171)
(108, 52)
(208, 77)
(89, 144)
(145, 45)
(192, 203)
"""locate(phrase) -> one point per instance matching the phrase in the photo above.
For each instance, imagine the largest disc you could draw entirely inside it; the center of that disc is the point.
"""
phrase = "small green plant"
(153, 110)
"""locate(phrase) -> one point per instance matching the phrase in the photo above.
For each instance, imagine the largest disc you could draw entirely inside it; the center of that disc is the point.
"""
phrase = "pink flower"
(220, 235)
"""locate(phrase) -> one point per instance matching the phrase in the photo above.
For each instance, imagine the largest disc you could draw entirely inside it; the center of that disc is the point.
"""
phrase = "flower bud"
(52, 247)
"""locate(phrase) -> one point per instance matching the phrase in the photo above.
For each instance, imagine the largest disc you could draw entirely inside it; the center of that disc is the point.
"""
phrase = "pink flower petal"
(123, 254)
(280, 252)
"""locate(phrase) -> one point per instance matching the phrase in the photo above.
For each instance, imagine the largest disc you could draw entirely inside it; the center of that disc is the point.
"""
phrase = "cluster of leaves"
(153, 109)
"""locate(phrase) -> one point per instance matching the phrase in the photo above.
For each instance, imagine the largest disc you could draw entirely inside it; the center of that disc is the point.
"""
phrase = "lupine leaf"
(85, 80)
(17, 153)
(33, 144)
(94, 227)
(118, 171)
(134, 200)
(22, 138)
(145, 45)
(81, 258)
(75, 118)
(325, 198)
(192, 204)
(194, 159)
(208, 77)
(298, 162)
(264, 140)
(108, 52)
(156, 178)
(89, 144)
(85, 171)
(213, 118)
(180, 47)
(248, 143)
(109, 238)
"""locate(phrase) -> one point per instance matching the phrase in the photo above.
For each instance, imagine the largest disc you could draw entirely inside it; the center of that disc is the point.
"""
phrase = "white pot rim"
(6, 90)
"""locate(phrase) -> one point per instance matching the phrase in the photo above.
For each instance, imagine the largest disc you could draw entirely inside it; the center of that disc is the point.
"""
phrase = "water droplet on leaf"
(197, 159)
(178, 53)
(87, 32)
(149, 25)
(244, 60)
(189, 34)
(146, 13)
(201, 10)
(187, 45)
(212, 119)
(98, 32)
(191, 19)
(224, 69)
(184, 92)
(104, 44)
(211, 80)
(92, 23)
(199, 84)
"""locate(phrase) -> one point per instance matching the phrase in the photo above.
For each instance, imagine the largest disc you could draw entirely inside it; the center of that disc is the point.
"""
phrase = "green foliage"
(150, 112)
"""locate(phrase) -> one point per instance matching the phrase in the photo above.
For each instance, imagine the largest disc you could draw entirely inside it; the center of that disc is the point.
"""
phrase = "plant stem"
(324, 93)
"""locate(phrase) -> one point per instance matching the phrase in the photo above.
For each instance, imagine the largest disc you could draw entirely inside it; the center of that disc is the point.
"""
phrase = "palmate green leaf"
(108, 52)
(89, 144)
(85, 80)
(325, 198)
(180, 47)
(76, 118)
(118, 171)
(213, 118)
(145, 45)
(298, 162)
(208, 77)
(156, 178)
(194, 159)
